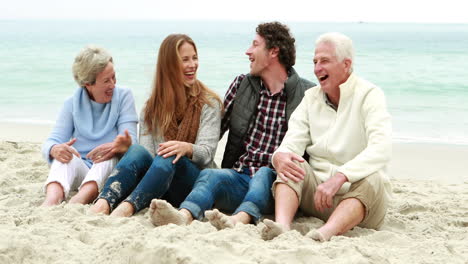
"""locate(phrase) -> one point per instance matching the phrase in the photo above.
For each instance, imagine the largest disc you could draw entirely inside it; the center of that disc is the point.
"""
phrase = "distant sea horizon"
(254, 21)
(422, 67)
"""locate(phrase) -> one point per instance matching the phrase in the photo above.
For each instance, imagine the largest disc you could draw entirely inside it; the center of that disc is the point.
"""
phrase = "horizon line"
(228, 20)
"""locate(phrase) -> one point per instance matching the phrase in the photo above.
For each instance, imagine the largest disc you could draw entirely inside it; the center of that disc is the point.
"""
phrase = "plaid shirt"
(265, 133)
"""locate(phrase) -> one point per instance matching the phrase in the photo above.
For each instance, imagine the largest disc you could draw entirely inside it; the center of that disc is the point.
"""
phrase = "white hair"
(342, 43)
(91, 61)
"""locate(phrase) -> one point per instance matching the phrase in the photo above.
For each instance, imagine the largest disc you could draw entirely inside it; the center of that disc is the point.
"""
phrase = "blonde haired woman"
(179, 132)
(94, 126)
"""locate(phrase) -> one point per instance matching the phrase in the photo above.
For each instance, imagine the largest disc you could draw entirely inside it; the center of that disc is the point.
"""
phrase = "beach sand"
(427, 221)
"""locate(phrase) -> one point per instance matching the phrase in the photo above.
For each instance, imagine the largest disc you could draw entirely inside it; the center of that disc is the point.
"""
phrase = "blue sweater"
(91, 123)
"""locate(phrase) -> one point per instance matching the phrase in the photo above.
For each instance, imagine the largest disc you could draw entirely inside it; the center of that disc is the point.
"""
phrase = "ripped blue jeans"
(138, 178)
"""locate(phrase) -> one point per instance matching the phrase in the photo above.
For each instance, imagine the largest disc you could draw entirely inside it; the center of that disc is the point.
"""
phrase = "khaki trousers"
(370, 191)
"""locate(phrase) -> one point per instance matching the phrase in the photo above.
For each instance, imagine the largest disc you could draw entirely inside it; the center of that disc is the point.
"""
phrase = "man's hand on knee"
(286, 167)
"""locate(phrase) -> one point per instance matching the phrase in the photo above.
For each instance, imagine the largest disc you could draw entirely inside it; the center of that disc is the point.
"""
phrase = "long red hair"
(169, 91)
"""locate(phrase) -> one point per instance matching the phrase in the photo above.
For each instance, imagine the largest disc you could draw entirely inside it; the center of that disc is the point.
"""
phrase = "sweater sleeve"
(378, 127)
(205, 145)
(61, 132)
(297, 137)
(128, 118)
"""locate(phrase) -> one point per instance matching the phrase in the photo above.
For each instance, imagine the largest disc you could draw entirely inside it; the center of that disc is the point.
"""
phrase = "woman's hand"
(122, 143)
(178, 148)
(107, 151)
(101, 153)
(64, 152)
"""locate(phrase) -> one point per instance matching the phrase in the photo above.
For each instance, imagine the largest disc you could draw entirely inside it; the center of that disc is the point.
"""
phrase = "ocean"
(422, 68)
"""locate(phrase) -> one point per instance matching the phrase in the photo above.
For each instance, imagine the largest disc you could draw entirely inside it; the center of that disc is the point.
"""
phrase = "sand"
(427, 220)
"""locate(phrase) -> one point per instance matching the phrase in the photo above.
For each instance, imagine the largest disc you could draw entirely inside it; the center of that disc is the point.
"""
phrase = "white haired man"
(344, 126)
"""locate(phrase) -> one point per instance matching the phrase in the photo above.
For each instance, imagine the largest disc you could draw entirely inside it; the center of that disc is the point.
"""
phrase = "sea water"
(422, 68)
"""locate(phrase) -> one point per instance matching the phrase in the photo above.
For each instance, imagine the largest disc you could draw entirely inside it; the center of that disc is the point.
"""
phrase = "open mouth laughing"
(189, 75)
(109, 92)
(322, 78)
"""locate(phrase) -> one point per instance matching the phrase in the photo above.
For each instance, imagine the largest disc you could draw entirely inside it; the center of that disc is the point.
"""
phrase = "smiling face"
(189, 62)
(330, 72)
(259, 56)
(103, 89)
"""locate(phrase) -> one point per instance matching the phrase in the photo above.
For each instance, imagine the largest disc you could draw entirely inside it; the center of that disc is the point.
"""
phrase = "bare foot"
(317, 236)
(162, 213)
(49, 203)
(219, 220)
(124, 209)
(272, 229)
(100, 207)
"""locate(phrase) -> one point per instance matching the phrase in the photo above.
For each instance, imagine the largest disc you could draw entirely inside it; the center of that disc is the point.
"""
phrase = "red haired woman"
(179, 132)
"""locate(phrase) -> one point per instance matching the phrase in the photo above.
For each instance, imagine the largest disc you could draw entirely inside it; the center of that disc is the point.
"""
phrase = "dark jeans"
(138, 178)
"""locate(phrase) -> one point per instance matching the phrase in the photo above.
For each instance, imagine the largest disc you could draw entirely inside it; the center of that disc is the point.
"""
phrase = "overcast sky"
(419, 11)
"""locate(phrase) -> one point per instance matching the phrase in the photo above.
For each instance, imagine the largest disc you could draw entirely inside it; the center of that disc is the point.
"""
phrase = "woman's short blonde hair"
(91, 61)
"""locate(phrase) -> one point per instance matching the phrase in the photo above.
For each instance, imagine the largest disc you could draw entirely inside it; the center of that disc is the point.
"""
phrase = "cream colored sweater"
(355, 140)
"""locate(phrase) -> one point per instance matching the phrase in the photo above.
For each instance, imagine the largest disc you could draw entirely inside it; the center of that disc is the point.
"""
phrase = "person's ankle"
(188, 218)
(125, 209)
(101, 206)
(241, 217)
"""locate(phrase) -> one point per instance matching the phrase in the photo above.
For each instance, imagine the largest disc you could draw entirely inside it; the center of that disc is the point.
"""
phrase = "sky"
(413, 11)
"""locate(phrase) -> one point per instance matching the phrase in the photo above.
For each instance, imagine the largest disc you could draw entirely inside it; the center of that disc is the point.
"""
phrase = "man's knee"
(301, 188)
(283, 189)
(205, 173)
(265, 172)
(264, 176)
(370, 191)
(211, 176)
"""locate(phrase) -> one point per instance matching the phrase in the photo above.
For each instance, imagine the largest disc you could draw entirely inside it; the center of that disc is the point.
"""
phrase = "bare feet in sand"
(124, 209)
(51, 202)
(272, 229)
(219, 220)
(162, 213)
(100, 207)
(316, 235)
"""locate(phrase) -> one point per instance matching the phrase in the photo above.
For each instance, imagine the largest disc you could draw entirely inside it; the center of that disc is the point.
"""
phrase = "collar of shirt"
(267, 92)
(328, 102)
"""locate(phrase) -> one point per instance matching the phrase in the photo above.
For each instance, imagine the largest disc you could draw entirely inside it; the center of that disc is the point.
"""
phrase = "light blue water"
(422, 68)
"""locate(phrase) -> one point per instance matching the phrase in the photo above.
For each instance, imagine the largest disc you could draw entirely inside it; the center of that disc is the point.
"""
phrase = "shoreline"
(24, 132)
(19, 131)
(411, 160)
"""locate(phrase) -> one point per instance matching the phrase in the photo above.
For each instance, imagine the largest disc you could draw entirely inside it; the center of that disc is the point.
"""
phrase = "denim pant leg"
(259, 199)
(158, 179)
(225, 186)
(126, 175)
(184, 179)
